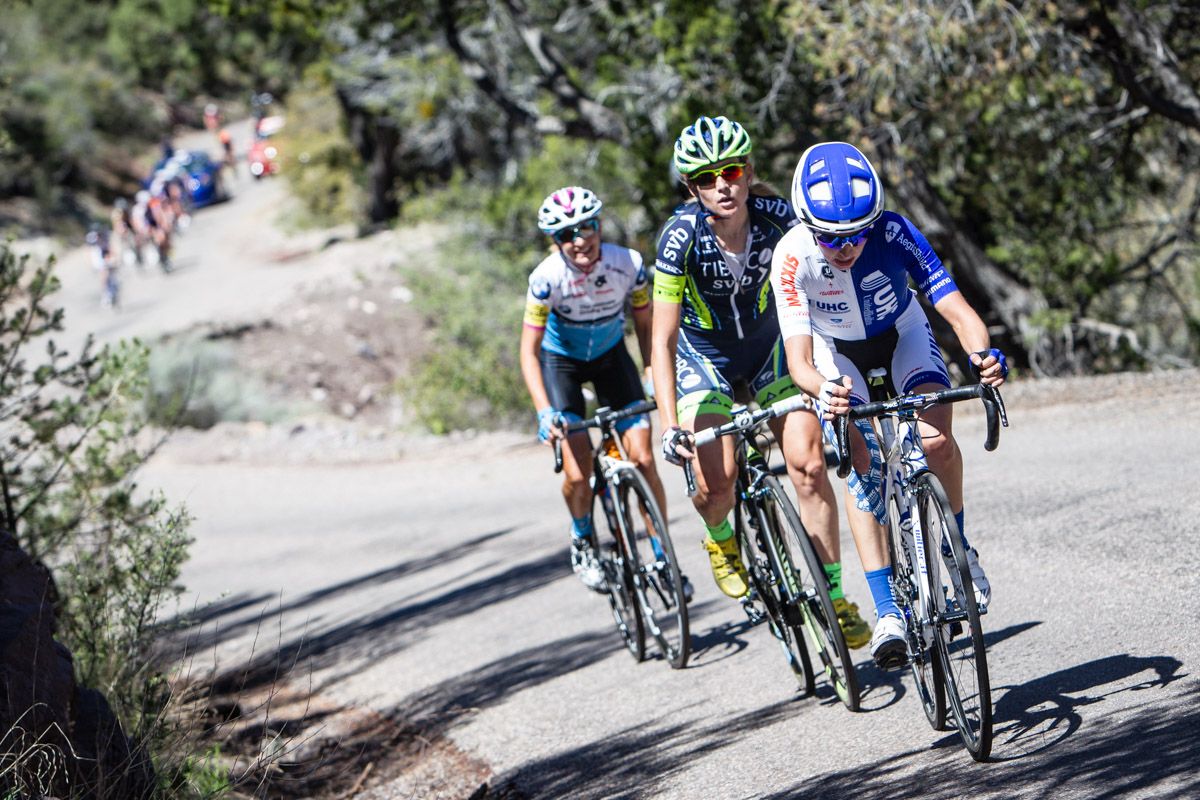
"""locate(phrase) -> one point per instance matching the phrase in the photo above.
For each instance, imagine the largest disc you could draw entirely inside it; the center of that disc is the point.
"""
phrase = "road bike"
(644, 584)
(945, 650)
(794, 592)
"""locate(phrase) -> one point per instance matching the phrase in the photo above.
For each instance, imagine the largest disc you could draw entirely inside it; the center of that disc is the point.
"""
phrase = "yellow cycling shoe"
(728, 571)
(856, 631)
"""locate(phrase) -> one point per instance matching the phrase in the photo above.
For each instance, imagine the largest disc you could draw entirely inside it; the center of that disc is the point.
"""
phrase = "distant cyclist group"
(754, 299)
(141, 230)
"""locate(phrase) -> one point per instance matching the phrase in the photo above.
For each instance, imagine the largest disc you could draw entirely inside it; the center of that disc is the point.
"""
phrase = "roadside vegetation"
(1048, 151)
(75, 433)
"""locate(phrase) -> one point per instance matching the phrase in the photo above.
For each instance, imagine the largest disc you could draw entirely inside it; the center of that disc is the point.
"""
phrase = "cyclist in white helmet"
(845, 307)
(574, 333)
(716, 335)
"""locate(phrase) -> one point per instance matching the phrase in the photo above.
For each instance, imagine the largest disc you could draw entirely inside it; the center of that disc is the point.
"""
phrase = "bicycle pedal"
(893, 662)
(753, 613)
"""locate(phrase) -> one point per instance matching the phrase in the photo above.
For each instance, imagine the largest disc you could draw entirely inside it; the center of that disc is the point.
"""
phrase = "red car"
(263, 155)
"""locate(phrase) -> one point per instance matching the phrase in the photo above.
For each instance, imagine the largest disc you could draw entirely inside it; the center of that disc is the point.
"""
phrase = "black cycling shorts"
(613, 375)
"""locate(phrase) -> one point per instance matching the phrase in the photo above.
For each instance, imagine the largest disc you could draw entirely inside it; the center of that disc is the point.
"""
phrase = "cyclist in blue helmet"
(715, 337)
(841, 282)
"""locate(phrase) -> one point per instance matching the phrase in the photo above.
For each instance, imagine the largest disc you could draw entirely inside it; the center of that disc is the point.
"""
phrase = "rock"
(72, 739)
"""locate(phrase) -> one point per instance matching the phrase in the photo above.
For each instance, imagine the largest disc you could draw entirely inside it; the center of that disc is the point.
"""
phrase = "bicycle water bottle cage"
(610, 447)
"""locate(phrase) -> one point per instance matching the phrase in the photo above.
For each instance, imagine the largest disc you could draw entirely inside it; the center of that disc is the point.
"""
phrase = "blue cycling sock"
(962, 535)
(581, 527)
(879, 581)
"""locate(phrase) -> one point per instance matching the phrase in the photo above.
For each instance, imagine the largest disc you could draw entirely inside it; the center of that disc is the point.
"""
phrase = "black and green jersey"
(691, 269)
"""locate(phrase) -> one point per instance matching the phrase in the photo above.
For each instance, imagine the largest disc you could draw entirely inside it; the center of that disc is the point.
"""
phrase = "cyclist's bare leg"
(804, 453)
(577, 475)
(641, 452)
(945, 459)
(716, 471)
(870, 538)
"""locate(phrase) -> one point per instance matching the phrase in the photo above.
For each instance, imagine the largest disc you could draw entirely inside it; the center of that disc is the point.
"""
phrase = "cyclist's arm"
(663, 339)
(971, 331)
(531, 369)
(972, 334)
(799, 352)
(533, 330)
(642, 324)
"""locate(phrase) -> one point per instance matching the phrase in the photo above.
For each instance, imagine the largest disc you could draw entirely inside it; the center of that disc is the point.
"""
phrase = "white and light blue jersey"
(814, 298)
(583, 313)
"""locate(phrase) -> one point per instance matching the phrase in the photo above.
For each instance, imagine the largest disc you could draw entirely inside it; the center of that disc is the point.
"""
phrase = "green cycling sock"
(834, 573)
(721, 532)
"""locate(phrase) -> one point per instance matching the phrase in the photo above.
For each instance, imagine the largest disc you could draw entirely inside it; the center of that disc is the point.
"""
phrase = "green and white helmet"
(707, 141)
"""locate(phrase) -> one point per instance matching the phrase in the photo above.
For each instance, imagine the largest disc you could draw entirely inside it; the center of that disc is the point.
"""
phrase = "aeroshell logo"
(891, 230)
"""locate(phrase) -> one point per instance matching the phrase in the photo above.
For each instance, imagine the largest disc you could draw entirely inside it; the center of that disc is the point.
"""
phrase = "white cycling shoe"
(979, 581)
(585, 564)
(888, 647)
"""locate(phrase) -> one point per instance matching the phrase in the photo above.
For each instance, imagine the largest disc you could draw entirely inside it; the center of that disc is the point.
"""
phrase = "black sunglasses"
(585, 229)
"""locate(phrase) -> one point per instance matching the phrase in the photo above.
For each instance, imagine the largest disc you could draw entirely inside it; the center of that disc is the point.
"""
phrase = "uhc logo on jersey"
(891, 230)
(881, 293)
(833, 308)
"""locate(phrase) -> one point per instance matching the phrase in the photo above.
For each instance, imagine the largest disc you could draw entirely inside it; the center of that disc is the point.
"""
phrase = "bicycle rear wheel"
(764, 581)
(925, 664)
(808, 590)
(958, 633)
(657, 581)
(618, 575)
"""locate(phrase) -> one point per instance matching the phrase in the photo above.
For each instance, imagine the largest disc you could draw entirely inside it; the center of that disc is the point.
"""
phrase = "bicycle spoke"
(959, 640)
(656, 581)
(808, 591)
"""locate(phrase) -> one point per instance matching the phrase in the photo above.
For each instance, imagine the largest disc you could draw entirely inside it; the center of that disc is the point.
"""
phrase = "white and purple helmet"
(567, 207)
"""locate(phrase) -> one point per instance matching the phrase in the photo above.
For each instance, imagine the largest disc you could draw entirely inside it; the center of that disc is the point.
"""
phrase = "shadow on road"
(635, 762)
(207, 626)
(383, 633)
(1153, 749)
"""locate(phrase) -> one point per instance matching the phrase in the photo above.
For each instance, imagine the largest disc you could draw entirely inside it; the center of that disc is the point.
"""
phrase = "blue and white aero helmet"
(709, 140)
(835, 189)
(566, 207)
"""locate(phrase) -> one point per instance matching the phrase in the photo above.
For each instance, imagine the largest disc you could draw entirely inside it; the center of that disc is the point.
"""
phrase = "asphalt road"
(437, 587)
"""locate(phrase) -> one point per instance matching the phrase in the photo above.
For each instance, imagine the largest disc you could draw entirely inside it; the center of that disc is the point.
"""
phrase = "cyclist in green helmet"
(715, 334)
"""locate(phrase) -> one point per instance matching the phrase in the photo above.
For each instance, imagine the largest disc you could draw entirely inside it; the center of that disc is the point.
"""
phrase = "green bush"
(196, 383)
(469, 377)
(318, 159)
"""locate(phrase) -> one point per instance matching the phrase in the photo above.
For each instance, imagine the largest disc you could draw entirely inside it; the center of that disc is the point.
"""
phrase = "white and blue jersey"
(583, 313)
(869, 301)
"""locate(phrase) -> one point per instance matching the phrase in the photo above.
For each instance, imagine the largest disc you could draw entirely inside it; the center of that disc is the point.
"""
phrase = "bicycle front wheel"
(616, 562)
(761, 557)
(657, 581)
(958, 634)
(807, 588)
(917, 609)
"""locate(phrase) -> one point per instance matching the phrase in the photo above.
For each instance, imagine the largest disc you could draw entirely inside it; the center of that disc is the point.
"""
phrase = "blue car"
(200, 175)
